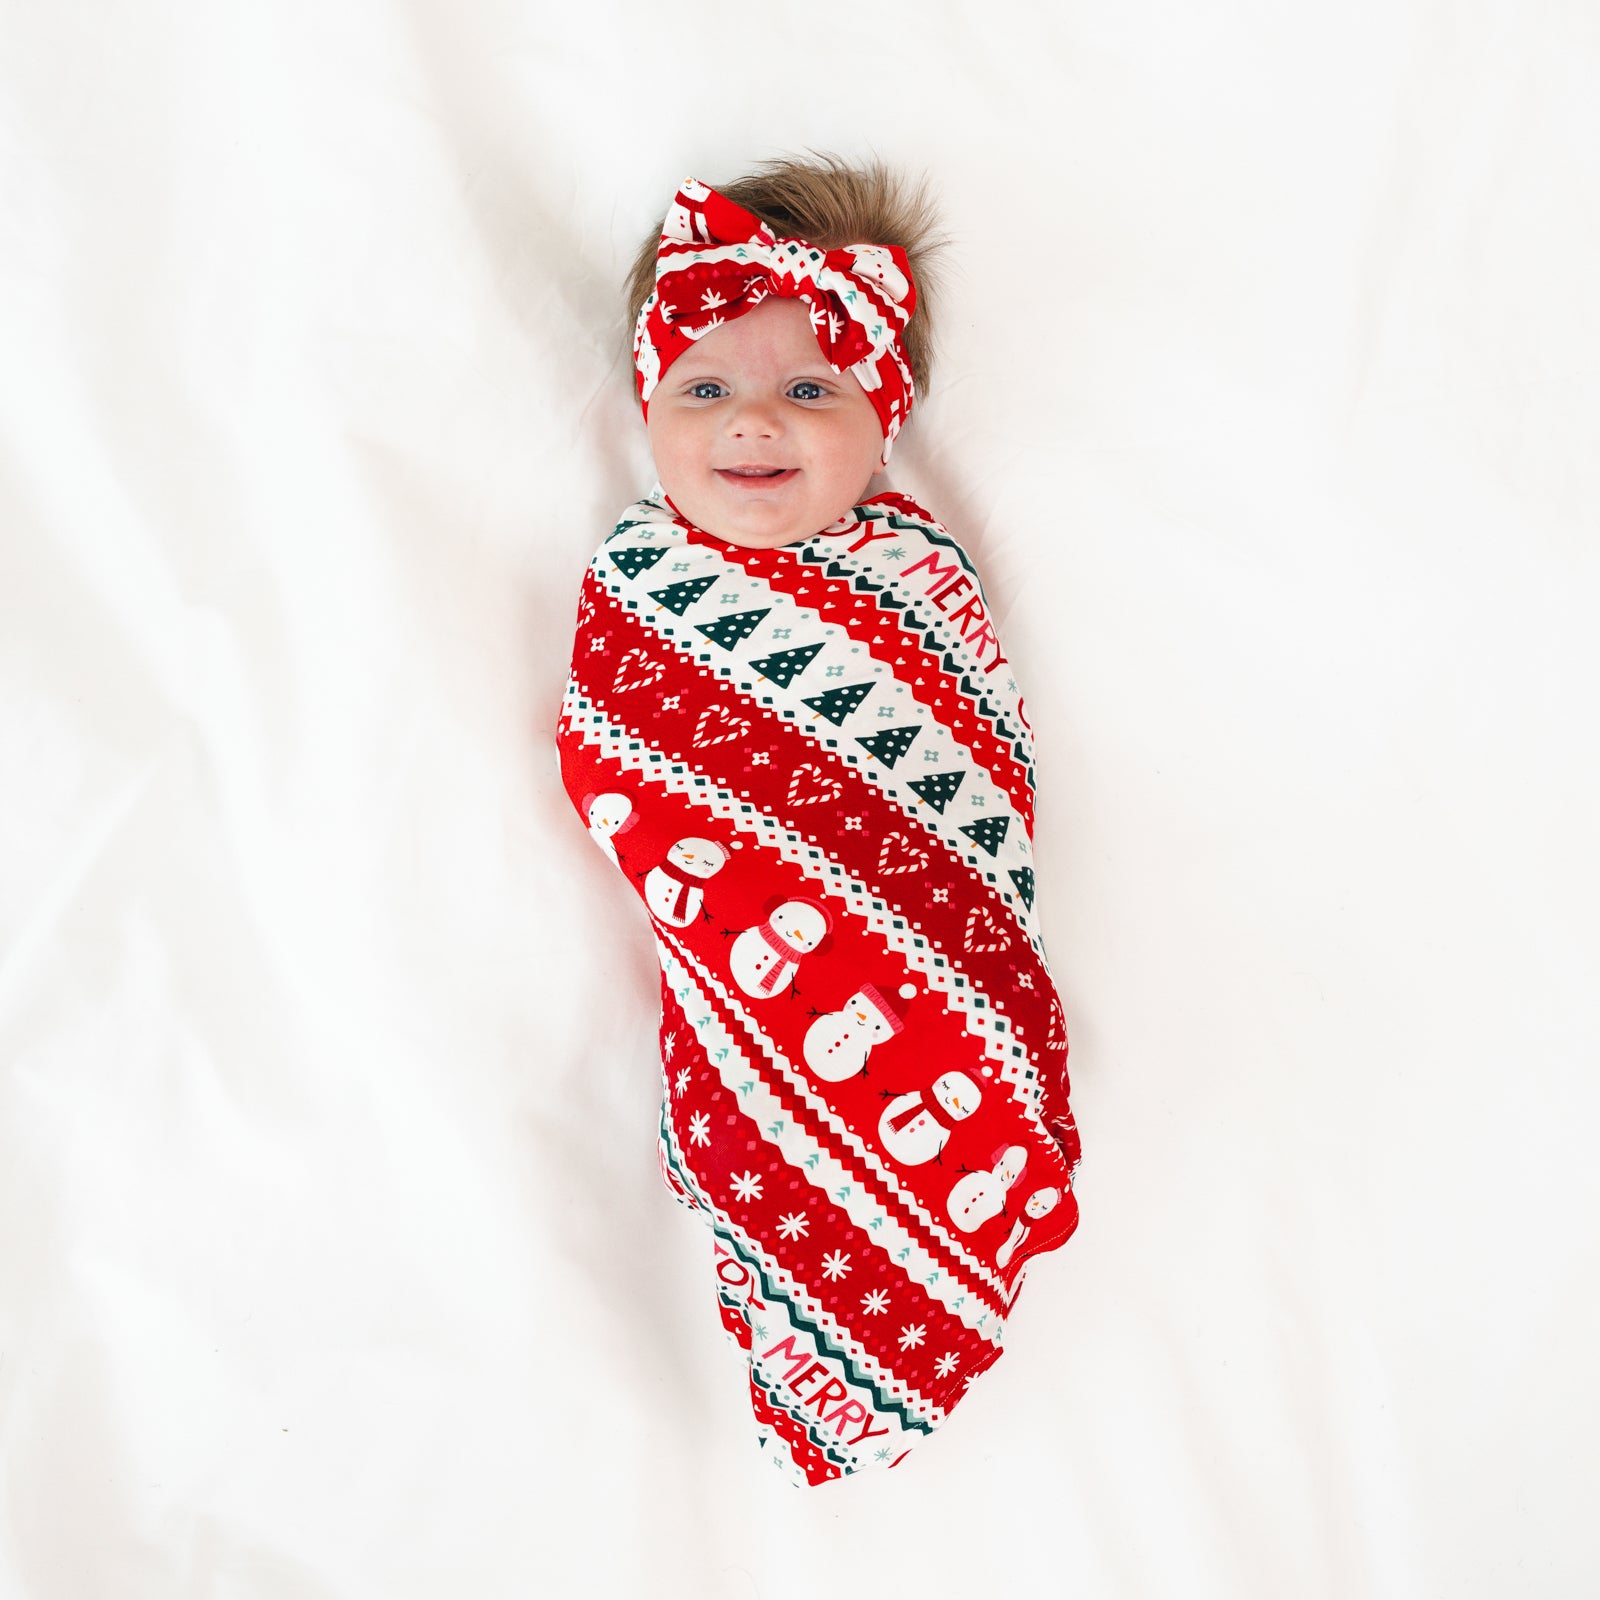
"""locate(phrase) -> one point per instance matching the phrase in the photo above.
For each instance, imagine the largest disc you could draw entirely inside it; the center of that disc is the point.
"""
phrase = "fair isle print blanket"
(813, 766)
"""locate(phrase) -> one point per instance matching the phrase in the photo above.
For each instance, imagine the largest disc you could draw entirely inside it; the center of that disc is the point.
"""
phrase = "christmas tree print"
(988, 832)
(837, 704)
(1023, 878)
(891, 744)
(678, 597)
(729, 630)
(939, 789)
(638, 558)
(784, 667)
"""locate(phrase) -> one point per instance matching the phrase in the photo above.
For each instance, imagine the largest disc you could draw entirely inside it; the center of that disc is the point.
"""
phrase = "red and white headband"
(717, 261)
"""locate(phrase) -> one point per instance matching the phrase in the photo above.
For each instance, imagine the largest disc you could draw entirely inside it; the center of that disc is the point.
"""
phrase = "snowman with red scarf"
(674, 891)
(764, 959)
(916, 1126)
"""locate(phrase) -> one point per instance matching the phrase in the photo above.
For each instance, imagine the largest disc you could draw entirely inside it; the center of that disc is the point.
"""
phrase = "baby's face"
(757, 392)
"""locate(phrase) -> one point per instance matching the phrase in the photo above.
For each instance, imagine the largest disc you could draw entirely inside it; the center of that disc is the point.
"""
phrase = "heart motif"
(635, 670)
(897, 854)
(990, 936)
(821, 786)
(717, 725)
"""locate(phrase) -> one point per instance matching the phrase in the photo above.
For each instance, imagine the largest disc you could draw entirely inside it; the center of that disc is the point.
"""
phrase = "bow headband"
(717, 261)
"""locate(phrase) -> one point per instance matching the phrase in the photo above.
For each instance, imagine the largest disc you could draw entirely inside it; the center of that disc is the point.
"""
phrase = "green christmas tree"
(837, 704)
(638, 558)
(1023, 878)
(891, 744)
(729, 630)
(988, 832)
(678, 597)
(938, 789)
(787, 665)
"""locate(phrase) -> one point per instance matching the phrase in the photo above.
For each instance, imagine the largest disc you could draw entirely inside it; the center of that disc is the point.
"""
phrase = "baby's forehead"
(778, 332)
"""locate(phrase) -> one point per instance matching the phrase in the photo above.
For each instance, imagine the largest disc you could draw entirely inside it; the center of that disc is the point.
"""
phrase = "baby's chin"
(763, 528)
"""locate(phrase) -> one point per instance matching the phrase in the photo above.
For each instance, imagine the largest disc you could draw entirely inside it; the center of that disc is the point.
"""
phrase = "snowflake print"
(945, 1365)
(761, 758)
(747, 1186)
(1025, 979)
(941, 894)
(876, 1303)
(710, 300)
(671, 702)
(793, 1225)
(894, 552)
(835, 1265)
(911, 1336)
(681, 1082)
(700, 1128)
(669, 1046)
(853, 822)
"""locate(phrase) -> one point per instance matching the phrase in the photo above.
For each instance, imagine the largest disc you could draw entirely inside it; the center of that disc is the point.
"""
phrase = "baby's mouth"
(756, 477)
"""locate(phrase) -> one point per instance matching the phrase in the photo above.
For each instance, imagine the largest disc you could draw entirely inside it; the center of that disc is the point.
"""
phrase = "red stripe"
(800, 1113)
(796, 785)
(785, 1191)
(880, 632)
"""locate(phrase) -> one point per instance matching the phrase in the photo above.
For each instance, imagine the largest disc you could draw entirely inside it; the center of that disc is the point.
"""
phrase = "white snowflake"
(747, 1186)
(681, 1082)
(699, 1128)
(793, 1225)
(835, 1264)
(853, 822)
(874, 1303)
(945, 1365)
(671, 702)
(761, 757)
(710, 300)
(911, 1335)
(941, 894)
(670, 1045)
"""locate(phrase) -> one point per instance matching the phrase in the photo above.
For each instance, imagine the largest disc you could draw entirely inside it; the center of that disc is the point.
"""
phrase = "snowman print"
(674, 891)
(838, 1043)
(765, 958)
(609, 815)
(1040, 1204)
(915, 1127)
(978, 1196)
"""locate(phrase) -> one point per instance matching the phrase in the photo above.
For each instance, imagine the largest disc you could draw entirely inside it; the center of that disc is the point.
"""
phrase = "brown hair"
(830, 203)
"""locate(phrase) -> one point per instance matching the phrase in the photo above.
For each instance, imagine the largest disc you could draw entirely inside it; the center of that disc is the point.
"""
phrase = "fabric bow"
(717, 261)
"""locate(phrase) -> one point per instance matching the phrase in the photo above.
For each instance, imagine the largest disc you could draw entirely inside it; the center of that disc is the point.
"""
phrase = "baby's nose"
(754, 416)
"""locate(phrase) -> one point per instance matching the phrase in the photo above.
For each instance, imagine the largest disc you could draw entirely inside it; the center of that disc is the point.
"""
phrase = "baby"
(792, 725)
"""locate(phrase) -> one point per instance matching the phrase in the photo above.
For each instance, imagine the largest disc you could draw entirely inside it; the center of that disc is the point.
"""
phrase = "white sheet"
(336, 1263)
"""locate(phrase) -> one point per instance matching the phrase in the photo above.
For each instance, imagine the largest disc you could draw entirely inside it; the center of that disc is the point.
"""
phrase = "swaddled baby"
(791, 724)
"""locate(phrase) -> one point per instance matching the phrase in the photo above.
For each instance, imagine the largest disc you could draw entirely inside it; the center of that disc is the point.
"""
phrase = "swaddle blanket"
(813, 766)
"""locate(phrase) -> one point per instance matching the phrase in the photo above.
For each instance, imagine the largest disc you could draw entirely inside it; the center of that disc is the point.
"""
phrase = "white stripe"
(982, 1016)
(896, 1388)
(808, 626)
(795, 1143)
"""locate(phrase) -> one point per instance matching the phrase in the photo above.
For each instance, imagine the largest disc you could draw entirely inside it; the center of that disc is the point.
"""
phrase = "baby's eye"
(704, 384)
(806, 383)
